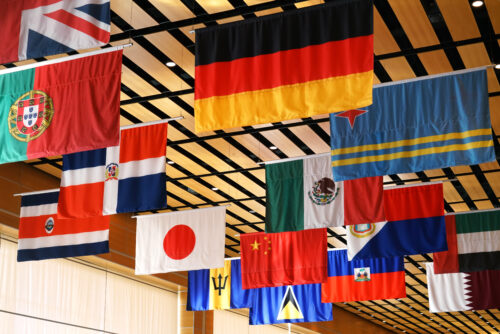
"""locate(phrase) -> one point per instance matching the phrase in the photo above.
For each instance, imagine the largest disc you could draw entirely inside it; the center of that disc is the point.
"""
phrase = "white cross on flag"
(181, 240)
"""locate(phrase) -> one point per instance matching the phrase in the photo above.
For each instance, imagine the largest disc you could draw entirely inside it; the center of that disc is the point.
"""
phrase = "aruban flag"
(370, 279)
(39, 28)
(42, 235)
(289, 304)
(473, 243)
(181, 240)
(218, 289)
(477, 290)
(415, 225)
(290, 65)
(418, 124)
(126, 178)
(61, 108)
(301, 194)
(285, 258)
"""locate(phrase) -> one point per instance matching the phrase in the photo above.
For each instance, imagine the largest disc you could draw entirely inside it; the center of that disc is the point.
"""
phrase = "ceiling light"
(170, 64)
(215, 188)
(253, 211)
(273, 148)
(477, 3)
(497, 66)
(170, 162)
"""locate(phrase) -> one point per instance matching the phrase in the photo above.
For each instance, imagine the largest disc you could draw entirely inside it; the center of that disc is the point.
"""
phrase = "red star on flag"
(351, 115)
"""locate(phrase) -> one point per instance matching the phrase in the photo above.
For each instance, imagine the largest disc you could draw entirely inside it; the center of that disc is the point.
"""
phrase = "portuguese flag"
(60, 108)
(473, 243)
(315, 60)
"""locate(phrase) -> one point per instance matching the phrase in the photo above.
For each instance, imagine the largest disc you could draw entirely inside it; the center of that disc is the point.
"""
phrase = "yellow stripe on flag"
(413, 153)
(285, 102)
(415, 141)
(220, 287)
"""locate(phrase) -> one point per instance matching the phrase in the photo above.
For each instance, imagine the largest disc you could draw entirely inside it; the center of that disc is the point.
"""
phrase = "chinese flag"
(286, 258)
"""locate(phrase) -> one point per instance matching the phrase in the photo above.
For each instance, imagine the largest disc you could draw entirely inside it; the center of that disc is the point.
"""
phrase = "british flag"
(38, 28)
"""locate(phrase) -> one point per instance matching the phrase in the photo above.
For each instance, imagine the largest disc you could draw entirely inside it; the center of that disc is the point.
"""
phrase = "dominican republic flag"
(39, 28)
(126, 178)
(180, 240)
(301, 194)
(42, 235)
(415, 225)
(369, 279)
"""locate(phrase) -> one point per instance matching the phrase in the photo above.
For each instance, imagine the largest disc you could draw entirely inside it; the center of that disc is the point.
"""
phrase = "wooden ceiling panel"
(398, 68)
(435, 62)
(493, 7)
(383, 42)
(459, 19)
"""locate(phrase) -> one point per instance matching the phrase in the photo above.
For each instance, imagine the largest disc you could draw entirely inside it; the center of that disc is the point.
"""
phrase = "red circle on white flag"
(179, 242)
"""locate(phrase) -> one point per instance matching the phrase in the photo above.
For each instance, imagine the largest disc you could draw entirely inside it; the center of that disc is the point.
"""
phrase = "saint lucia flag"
(218, 289)
(287, 304)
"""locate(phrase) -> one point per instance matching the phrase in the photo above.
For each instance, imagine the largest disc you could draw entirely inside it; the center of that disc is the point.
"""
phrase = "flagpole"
(64, 59)
(471, 211)
(36, 192)
(171, 212)
(270, 162)
(418, 184)
(138, 125)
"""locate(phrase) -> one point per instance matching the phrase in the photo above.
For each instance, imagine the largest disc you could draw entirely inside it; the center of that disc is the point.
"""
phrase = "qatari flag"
(478, 290)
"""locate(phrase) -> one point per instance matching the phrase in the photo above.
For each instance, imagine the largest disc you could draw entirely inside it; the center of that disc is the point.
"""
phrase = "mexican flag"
(473, 243)
(58, 108)
(301, 194)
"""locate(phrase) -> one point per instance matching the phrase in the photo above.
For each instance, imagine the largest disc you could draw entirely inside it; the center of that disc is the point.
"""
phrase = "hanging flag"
(286, 258)
(477, 290)
(42, 235)
(473, 243)
(126, 178)
(301, 194)
(218, 289)
(60, 108)
(289, 65)
(289, 304)
(370, 279)
(39, 28)
(416, 125)
(181, 240)
(415, 225)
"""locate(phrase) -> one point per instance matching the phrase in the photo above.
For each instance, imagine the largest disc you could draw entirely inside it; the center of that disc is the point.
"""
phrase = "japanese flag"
(182, 240)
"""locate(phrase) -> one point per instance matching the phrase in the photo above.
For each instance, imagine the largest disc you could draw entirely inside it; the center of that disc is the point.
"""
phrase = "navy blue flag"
(288, 304)
(413, 126)
(217, 289)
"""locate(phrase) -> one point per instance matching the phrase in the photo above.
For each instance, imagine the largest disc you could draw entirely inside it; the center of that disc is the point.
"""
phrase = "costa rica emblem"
(324, 191)
(111, 172)
(49, 225)
(30, 115)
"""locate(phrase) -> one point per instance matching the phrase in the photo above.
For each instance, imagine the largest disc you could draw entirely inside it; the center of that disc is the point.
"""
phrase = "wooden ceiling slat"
(435, 62)
(398, 68)
(493, 8)
(383, 42)
(459, 19)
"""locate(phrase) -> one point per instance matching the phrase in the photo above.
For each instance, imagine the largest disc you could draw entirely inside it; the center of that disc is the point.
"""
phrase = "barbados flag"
(416, 125)
(289, 304)
(218, 289)
(289, 65)
(370, 279)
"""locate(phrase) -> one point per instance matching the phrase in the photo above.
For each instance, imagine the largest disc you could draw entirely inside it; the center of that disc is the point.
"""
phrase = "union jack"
(48, 27)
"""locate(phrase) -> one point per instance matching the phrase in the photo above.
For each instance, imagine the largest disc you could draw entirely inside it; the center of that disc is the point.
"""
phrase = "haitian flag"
(42, 235)
(289, 304)
(415, 225)
(301, 194)
(218, 289)
(473, 243)
(358, 280)
(60, 108)
(419, 124)
(290, 65)
(126, 178)
(285, 258)
(478, 290)
(39, 28)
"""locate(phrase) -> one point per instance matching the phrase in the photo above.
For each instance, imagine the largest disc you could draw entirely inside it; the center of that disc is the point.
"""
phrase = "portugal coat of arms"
(30, 115)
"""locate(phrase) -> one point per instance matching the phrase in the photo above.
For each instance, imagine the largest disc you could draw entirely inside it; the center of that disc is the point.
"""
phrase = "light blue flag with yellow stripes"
(420, 124)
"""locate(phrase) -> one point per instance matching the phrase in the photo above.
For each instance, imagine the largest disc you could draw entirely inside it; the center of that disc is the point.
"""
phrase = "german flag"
(312, 61)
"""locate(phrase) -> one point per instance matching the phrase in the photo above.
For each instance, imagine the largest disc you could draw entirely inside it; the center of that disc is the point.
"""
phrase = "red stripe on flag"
(80, 24)
(414, 202)
(381, 286)
(353, 55)
(447, 261)
(143, 142)
(364, 201)
(85, 200)
(34, 227)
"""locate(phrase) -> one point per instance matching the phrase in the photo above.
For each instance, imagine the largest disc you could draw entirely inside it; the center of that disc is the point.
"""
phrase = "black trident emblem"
(220, 287)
